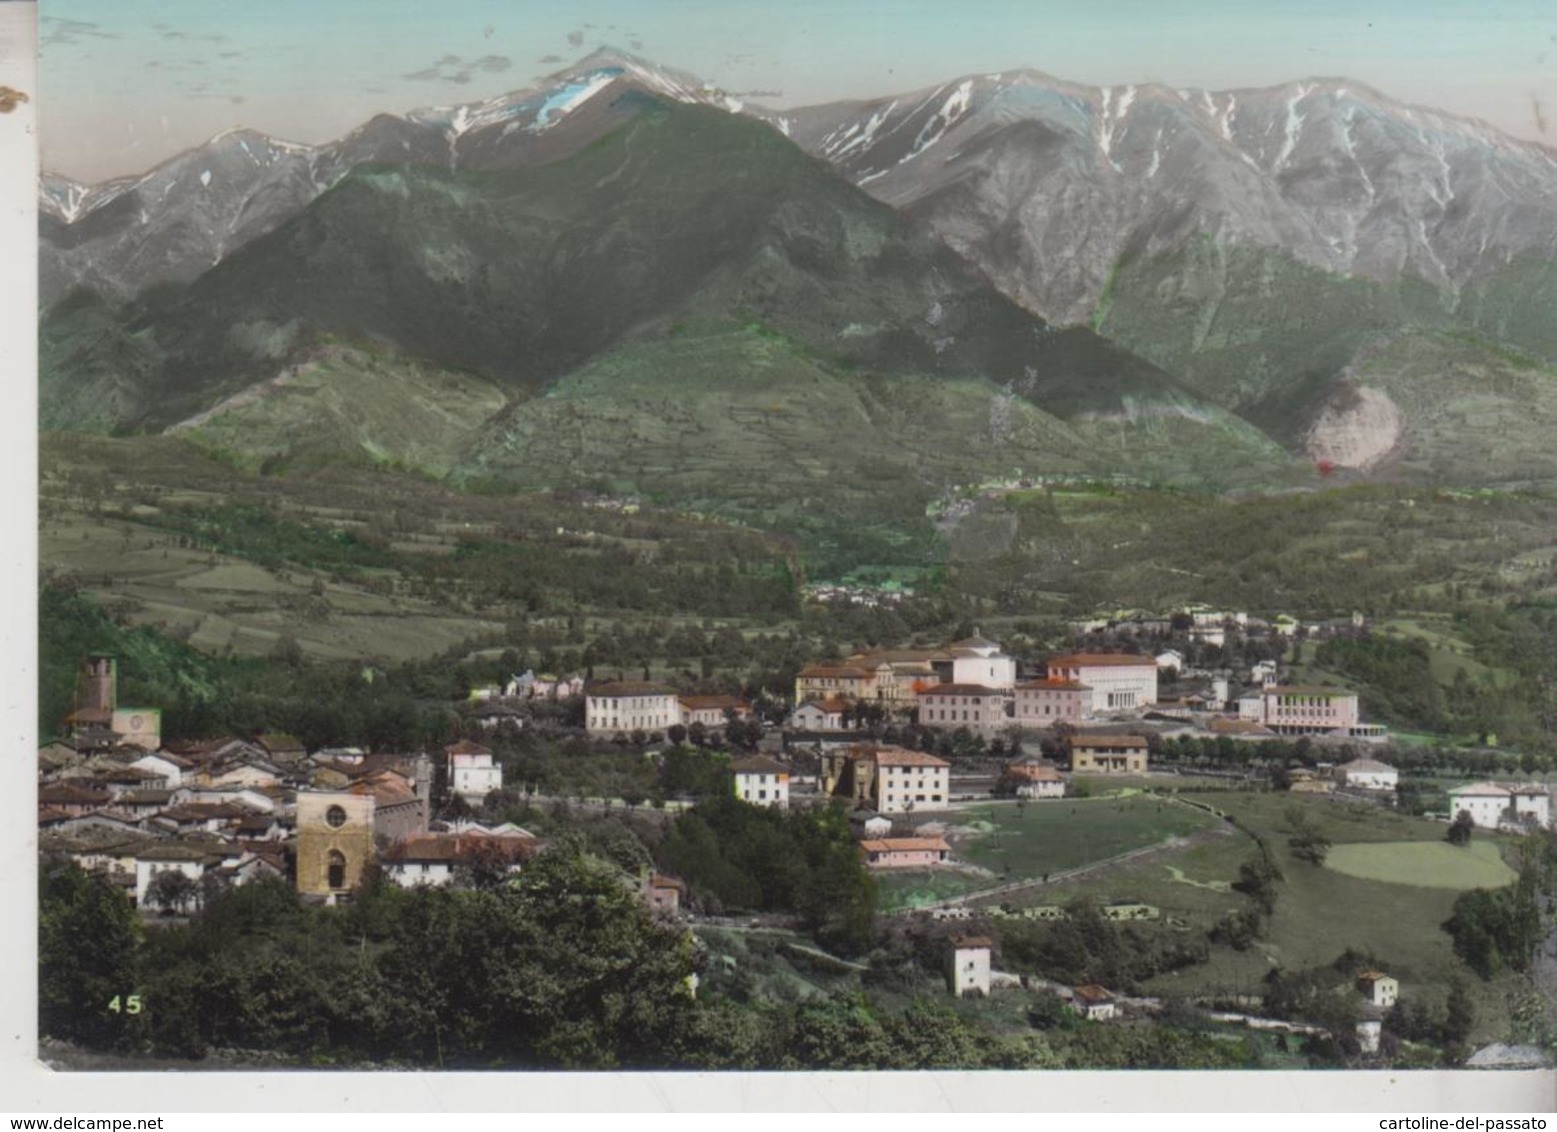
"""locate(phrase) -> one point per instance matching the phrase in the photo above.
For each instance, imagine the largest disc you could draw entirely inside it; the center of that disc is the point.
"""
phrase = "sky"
(125, 84)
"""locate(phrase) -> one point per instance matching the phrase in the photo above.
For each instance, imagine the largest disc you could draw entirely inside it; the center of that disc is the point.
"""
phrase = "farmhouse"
(1034, 778)
(1487, 803)
(761, 782)
(890, 780)
(1119, 682)
(630, 705)
(1094, 1003)
(1043, 703)
(819, 715)
(905, 852)
(1378, 988)
(1368, 774)
(1493, 804)
(982, 710)
(1108, 754)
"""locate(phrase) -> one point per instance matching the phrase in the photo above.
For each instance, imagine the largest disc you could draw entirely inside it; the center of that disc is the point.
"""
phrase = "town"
(1068, 840)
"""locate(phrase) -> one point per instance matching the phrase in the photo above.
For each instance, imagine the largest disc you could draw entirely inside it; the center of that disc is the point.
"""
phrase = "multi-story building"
(846, 680)
(1300, 710)
(1043, 703)
(630, 705)
(761, 782)
(890, 780)
(968, 966)
(1492, 805)
(472, 771)
(1108, 754)
(1119, 681)
(981, 710)
(1487, 803)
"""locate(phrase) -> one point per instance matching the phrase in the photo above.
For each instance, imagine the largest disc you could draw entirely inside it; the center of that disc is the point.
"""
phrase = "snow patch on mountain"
(572, 96)
(955, 106)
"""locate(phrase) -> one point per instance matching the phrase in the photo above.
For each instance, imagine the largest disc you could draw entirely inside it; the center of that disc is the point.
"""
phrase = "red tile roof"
(1055, 685)
(839, 670)
(906, 845)
(961, 690)
(1107, 742)
(896, 756)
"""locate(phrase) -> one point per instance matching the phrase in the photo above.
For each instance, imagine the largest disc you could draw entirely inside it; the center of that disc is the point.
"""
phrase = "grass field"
(1003, 842)
(1423, 864)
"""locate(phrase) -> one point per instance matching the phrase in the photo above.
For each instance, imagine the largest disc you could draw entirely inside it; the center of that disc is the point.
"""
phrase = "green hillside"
(1474, 413)
(521, 276)
(1251, 329)
(347, 404)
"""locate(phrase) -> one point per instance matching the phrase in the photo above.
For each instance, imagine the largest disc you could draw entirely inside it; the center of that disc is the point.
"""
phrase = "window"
(336, 817)
(337, 869)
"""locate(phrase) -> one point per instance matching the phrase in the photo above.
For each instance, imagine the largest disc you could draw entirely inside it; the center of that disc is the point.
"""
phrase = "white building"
(969, 966)
(1492, 805)
(1378, 988)
(978, 661)
(818, 715)
(1119, 682)
(431, 859)
(1170, 658)
(1487, 803)
(170, 767)
(473, 774)
(1034, 778)
(1532, 805)
(1368, 774)
(761, 782)
(1094, 1003)
(630, 706)
(173, 857)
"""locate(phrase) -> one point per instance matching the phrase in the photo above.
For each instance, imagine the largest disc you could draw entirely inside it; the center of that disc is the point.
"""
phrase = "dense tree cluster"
(1499, 928)
(737, 857)
(1084, 947)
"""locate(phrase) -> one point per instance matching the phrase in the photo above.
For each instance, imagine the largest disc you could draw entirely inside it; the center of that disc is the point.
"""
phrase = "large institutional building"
(1118, 682)
(630, 706)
